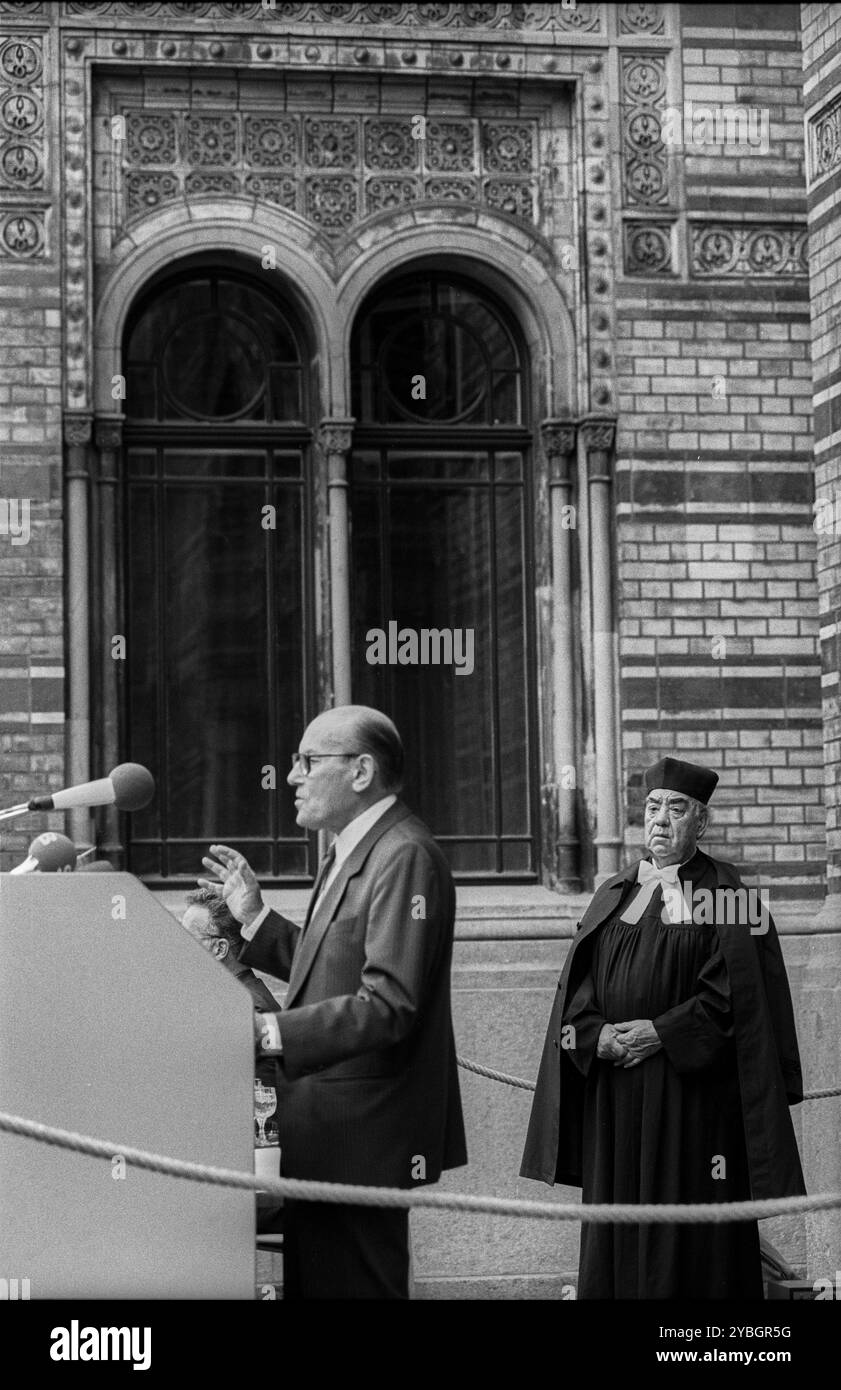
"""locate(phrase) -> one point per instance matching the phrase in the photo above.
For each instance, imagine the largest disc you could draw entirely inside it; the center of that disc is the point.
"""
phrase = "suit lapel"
(327, 909)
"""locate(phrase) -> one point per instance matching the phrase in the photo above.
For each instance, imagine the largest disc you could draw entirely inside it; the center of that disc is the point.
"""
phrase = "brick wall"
(31, 564)
(717, 594)
(822, 97)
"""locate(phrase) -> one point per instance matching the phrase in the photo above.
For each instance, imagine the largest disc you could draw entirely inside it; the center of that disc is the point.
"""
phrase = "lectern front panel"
(114, 1022)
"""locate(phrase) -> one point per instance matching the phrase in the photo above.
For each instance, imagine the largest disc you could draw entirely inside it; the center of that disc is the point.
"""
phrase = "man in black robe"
(670, 1061)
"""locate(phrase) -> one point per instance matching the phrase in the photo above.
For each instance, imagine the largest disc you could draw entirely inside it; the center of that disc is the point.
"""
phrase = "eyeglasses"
(306, 760)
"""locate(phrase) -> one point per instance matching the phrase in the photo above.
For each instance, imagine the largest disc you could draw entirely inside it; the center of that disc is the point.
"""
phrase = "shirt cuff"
(249, 932)
(270, 1042)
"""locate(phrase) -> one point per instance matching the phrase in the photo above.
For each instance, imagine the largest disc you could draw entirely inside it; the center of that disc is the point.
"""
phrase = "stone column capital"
(335, 436)
(77, 428)
(558, 440)
(598, 433)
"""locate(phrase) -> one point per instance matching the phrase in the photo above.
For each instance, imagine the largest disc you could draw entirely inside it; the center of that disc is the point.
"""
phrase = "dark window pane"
(505, 409)
(476, 858)
(141, 462)
(276, 335)
(403, 464)
(285, 388)
(433, 369)
(517, 858)
(212, 463)
(214, 341)
(287, 465)
(364, 464)
(213, 366)
(445, 334)
(508, 467)
(141, 391)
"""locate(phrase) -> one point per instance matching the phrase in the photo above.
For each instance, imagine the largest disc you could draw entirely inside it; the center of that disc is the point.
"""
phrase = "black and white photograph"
(420, 673)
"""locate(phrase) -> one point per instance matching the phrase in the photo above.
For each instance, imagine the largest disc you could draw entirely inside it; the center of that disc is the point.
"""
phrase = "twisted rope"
(349, 1194)
(508, 1080)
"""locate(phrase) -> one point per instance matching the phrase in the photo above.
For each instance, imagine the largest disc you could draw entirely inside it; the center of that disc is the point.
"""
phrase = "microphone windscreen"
(98, 866)
(49, 853)
(134, 786)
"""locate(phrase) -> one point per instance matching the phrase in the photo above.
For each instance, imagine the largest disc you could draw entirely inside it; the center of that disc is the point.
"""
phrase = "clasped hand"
(628, 1044)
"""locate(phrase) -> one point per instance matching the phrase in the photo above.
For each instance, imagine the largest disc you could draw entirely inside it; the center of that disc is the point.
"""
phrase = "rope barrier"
(349, 1194)
(508, 1080)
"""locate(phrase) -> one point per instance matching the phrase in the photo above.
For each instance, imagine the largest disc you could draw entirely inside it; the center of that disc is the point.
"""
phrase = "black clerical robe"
(704, 1119)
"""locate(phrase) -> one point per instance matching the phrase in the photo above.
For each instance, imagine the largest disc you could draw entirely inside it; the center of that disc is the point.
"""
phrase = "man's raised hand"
(235, 881)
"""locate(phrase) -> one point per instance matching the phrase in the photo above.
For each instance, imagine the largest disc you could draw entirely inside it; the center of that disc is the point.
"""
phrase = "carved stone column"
(108, 435)
(558, 439)
(334, 439)
(77, 438)
(598, 437)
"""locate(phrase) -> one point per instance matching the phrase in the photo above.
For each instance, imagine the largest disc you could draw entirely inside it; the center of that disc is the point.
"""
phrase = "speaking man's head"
(676, 809)
(348, 758)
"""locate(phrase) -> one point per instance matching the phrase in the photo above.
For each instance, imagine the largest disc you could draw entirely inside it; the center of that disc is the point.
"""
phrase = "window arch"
(213, 348)
(440, 500)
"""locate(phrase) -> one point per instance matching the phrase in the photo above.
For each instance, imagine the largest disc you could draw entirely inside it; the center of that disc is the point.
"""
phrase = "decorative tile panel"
(759, 249)
(648, 248)
(330, 170)
(825, 142)
(645, 163)
(641, 19)
(578, 18)
(22, 147)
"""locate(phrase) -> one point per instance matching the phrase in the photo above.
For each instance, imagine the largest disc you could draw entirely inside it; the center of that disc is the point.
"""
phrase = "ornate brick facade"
(689, 260)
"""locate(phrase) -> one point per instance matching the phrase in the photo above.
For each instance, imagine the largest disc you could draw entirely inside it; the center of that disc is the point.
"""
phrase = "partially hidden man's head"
(354, 757)
(210, 922)
(676, 808)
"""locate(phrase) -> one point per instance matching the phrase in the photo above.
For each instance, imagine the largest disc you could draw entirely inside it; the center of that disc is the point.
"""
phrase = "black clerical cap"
(690, 779)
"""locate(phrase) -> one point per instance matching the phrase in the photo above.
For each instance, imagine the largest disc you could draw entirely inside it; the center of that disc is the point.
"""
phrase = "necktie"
(323, 872)
(650, 878)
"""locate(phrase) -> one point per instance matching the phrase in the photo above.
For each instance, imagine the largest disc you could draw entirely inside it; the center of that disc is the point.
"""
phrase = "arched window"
(440, 496)
(216, 525)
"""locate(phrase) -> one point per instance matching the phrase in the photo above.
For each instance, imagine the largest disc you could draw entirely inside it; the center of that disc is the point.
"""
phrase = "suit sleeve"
(272, 948)
(698, 1033)
(401, 948)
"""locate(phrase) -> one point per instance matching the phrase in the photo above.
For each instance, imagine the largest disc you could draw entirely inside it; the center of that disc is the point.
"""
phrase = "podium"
(115, 1023)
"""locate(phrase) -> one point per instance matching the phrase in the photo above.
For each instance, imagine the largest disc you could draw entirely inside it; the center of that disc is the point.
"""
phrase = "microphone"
(49, 853)
(129, 787)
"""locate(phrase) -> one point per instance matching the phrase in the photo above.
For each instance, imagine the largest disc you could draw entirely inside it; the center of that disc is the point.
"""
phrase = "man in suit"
(368, 1081)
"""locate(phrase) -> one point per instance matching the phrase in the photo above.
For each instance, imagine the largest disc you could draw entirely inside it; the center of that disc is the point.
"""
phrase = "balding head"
(356, 759)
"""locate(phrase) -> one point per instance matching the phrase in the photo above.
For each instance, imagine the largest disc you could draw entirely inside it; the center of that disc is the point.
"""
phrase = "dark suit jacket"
(368, 1077)
(767, 1055)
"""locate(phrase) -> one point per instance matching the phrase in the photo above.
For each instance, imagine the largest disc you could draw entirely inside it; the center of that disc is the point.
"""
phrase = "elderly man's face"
(672, 826)
(327, 797)
(197, 922)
